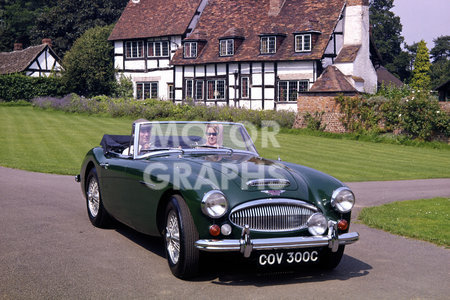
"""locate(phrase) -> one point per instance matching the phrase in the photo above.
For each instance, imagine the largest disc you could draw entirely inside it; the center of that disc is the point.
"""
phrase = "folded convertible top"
(115, 143)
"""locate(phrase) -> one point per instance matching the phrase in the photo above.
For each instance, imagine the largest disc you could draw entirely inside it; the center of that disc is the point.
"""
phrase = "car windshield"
(157, 136)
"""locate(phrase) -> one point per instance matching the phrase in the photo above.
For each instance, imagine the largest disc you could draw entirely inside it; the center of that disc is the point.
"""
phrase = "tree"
(68, 20)
(441, 49)
(422, 68)
(386, 30)
(89, 64)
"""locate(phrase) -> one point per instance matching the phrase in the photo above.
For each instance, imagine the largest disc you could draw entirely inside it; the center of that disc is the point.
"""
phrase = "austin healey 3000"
(204, 187)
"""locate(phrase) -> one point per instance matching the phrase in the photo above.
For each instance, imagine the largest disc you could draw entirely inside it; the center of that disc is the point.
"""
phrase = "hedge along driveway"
(56, 142)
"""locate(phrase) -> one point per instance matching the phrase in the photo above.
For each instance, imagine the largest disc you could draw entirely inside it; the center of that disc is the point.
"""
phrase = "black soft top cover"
(115, 143)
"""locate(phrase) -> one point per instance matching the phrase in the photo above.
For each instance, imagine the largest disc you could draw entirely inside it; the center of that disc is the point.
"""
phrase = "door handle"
(104, 165)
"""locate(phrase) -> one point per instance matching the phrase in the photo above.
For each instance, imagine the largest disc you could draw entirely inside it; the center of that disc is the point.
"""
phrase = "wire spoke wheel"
(173, 237)
(93, 197)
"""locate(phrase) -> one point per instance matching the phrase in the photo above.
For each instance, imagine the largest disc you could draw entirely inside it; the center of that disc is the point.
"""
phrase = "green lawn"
(56, 142)
(425, 219)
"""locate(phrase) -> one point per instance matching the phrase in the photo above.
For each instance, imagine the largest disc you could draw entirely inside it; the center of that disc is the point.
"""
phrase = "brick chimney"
(275, 7)
(18, 46)
(47, 41)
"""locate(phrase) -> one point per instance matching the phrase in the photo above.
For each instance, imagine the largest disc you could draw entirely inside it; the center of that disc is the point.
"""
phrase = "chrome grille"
(272, 182)
(271, 215)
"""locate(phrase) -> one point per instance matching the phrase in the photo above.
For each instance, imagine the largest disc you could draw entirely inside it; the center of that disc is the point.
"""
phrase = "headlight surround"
(317, 224)
(214, 204)
(343, 199)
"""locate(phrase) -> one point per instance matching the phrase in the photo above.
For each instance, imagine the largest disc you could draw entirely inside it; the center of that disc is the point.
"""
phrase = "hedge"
(16, 87)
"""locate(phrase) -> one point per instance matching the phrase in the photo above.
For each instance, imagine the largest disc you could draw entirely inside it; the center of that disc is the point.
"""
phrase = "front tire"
(180, 235)
(98, 216)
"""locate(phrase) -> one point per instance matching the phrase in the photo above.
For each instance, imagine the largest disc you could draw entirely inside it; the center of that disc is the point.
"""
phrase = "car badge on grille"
(274, 192)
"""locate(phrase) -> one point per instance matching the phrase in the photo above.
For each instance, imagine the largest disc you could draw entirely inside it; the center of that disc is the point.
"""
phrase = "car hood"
(248, 172)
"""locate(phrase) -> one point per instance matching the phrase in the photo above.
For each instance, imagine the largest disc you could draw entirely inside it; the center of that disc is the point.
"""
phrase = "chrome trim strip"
(275, 243)
(269, 182)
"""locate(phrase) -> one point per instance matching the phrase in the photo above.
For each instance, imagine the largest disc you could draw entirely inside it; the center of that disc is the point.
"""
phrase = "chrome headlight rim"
(342, 206)
(317, 224)
(208, 204)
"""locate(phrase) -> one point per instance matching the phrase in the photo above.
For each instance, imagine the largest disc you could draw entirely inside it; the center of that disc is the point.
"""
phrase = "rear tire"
(330, 260)
(98, 216)
(180, 235)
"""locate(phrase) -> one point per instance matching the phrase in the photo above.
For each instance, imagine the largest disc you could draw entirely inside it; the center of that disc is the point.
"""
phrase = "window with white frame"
(288, 89)
(215, 89)
(146, 90)
(134, 49)
(268, 44)
(199, 90)
(227, 47)
(303, 43)
(189, 91)
(190, 49)
(158, 49)
(245, 89)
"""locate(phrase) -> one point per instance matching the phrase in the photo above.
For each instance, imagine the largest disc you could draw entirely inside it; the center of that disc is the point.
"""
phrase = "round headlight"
(343, 200)
(214, 204)
(317, 224)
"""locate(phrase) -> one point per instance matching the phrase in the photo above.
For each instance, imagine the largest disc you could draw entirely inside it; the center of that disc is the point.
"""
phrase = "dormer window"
(226, 47)
(268, 44)
(190, 49)
(303, 43)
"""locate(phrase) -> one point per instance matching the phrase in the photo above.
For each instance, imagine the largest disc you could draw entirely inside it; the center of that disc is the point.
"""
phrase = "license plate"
(288, 258)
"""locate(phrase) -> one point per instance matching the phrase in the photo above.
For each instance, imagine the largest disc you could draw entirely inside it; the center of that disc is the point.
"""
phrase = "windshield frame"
(159, 151)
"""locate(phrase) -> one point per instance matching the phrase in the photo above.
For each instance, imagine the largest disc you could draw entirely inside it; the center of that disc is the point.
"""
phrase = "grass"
(56, 142)
(425, 219)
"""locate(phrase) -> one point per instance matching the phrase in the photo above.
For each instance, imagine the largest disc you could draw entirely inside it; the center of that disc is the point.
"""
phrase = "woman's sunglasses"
(212, 133)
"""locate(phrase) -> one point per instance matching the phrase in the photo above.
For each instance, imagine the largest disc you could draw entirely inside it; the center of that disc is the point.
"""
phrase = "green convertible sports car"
(203, 187)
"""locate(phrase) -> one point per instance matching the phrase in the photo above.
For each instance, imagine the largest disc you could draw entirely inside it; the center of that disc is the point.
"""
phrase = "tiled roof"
(332, 80)
(348, 54)
(154, 18)
(386, 77)
(18, 61)
(251, 18)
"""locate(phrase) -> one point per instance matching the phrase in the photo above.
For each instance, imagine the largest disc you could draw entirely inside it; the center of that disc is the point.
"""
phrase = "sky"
(423, 19)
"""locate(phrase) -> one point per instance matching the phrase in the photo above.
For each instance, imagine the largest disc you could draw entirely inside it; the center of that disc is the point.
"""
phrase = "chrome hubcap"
(93, 197)
(173, 237)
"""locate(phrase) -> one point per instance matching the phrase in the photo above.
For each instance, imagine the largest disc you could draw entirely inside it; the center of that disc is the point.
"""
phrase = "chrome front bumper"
(246, 245)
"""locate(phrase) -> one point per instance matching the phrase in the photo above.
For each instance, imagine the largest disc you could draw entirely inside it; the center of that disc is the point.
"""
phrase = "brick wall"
(325, 104)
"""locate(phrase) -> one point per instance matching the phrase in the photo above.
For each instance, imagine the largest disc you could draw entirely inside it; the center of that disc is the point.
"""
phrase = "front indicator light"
(342, 225)
(214, 230)
(317, 224)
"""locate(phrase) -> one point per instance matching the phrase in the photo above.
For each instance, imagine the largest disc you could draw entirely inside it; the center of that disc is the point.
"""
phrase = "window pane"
(199, 89)
(210, 91)
(187, 50)
(150, 49)
(282, 90)
(146, 90)
(264, 45)
(165, 48)
(272, 44)
(220, 89)
(141, 49)
(222, 48)
(244, 87)
(307, 42)
(154, 90)
(134, 49)
(293, 90)
(139, 87)
(303, 85)
(230, 47)
(194, 50)
(189, 88)
(157, 49)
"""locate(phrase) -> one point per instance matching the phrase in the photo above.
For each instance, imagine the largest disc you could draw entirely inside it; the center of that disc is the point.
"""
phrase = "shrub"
(314, 122)
(20, 87)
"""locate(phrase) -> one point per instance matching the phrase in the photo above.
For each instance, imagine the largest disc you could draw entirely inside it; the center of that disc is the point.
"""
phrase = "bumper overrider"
(246, 245)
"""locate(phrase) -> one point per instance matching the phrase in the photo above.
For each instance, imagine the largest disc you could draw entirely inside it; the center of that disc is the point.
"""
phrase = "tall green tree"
(386, 30)
(421, 79)
(441, 49)
(89, 64)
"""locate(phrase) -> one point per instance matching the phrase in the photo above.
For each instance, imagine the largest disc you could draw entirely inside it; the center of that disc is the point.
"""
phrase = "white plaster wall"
(135, 65)
(118, 47)
(200, 71)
